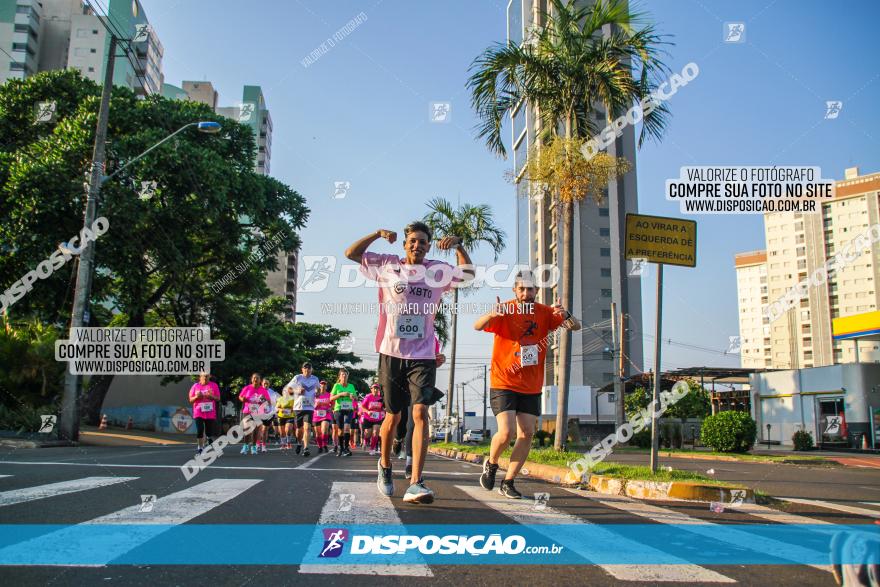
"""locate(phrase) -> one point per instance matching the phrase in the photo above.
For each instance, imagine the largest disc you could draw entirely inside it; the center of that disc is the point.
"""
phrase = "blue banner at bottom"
(563, 544)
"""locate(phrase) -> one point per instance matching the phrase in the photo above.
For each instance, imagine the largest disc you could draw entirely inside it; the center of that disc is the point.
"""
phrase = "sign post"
(664, 241)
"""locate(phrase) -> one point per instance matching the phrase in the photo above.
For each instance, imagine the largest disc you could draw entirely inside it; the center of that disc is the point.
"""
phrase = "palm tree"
(567, 68)
(473, 225)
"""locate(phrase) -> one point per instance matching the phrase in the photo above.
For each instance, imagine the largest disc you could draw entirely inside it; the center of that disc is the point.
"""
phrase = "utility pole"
(453, 340)
(615, 355)
(485, 430)
(621, 369)
(461, 420)
(69, 421)
(655, 432)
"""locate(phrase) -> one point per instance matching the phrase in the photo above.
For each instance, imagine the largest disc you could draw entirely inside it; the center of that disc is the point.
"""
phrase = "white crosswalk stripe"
(705, 528)
(26, 494)
(524, 512)
(849, 509)
(367, 507)
(137, 527)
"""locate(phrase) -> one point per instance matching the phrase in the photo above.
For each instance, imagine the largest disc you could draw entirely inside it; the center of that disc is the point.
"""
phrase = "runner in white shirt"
(304, 388)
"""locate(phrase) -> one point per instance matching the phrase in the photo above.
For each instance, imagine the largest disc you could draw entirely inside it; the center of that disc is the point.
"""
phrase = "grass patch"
(738, 456)
(549, 456)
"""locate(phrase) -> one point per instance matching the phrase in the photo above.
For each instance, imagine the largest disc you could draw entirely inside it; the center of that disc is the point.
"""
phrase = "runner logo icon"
(334, 540)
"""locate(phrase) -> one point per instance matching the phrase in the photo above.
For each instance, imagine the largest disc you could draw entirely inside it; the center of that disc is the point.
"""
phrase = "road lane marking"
(523, 512)
(213, 467)
(309, 462)
(369, 508)
(26, 494)
(849, 509)
(694, 525)
(136, 527)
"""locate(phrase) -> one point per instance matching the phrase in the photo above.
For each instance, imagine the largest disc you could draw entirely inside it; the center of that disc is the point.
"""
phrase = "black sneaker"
(508, 490)
(298, 448)
(487, 479)
(346, 452)
(306, 453)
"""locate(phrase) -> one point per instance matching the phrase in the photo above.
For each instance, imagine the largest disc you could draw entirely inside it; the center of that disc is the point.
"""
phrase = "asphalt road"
(279, 488)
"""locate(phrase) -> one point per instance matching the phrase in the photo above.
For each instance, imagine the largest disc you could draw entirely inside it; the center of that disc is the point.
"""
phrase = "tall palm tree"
(567, 68)
(473, 225)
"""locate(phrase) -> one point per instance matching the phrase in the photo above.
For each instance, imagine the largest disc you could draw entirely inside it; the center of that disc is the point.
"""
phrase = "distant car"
(473, 436)
(439, 435)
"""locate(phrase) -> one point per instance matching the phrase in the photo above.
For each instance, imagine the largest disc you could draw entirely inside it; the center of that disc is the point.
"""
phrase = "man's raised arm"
(356, 251)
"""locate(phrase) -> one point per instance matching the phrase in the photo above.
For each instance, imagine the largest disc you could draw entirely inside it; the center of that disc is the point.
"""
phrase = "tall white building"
(596, 229)
(796, 246)
(46, 35)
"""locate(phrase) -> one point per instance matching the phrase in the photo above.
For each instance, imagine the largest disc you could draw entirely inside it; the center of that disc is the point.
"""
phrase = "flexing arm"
(356, 251)
(571, 323)
(461, 255)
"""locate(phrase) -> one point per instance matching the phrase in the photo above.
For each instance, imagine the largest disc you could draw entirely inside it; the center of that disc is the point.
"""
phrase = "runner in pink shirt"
(204, 395)
(411, 290)
(373, 411)
(322, 417)
(256, 402)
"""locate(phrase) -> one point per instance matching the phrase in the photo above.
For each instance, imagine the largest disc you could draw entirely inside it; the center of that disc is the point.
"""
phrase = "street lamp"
(768, 436)
(69, 421)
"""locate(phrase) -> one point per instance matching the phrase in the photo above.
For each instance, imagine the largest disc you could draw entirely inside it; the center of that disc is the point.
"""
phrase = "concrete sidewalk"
(91, 436)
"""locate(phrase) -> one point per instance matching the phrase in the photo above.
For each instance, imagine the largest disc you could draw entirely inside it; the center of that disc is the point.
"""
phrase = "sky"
(360, 113)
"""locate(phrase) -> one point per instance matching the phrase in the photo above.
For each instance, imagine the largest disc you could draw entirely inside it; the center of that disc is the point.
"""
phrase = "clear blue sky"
(360, 114)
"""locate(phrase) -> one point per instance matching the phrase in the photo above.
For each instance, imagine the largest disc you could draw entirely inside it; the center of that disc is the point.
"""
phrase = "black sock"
(345, 441)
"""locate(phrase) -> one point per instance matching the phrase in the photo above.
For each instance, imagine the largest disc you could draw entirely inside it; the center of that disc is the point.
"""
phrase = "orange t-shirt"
(513, 331)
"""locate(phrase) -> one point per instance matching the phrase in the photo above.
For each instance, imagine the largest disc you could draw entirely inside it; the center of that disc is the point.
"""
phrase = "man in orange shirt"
(521, 327)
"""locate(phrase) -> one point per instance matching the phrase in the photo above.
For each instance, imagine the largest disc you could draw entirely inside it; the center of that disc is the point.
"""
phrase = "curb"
(683, 490)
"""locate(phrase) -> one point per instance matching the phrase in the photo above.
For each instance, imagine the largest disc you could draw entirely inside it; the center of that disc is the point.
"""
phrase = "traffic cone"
(130, 424)
(103, 425)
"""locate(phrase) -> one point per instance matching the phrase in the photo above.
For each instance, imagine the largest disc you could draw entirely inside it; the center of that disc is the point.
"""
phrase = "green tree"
(474, 225)
(694, 405)
(568, 68)
(156, 263)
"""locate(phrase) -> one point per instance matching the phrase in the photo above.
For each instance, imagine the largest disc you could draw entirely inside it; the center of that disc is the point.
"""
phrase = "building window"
(603, 212)
(605, 252)
(607, 377)
(606, 271)
(606, 314)
(606, 293)
(604, 232)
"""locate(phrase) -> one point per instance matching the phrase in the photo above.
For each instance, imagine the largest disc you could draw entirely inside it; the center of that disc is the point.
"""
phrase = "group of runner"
(393, 417)
(305, 410)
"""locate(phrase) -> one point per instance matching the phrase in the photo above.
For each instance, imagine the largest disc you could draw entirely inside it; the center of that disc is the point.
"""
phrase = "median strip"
(612, 478)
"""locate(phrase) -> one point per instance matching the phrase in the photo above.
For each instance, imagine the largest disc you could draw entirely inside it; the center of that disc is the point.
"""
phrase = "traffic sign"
(671, 241)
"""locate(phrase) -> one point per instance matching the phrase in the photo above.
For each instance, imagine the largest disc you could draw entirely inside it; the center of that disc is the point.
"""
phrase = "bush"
(802, 440)
(729, 432)
(642, 439)
(25, 419)
(541, 436)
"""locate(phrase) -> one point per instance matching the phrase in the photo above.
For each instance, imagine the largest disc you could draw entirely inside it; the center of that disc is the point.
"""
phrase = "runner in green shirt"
(343, 395)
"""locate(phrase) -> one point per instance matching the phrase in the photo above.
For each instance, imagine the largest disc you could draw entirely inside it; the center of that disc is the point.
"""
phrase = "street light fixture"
(69, 421)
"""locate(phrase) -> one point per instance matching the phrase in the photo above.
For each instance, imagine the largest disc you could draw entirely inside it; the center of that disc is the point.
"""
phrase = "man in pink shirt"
(411, 288)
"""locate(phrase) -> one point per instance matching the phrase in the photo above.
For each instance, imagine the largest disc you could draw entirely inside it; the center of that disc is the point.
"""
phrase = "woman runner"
(322, 417)
(254, 398)
(204, 395)
(373, 412)
(286, 417)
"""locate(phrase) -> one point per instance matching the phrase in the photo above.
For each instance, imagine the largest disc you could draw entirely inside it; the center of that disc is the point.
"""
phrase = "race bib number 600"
(528, 355)
(408, 326)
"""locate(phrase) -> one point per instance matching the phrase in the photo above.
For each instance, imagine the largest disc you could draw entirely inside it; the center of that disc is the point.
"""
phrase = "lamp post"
(768, 436)
(69, 420)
